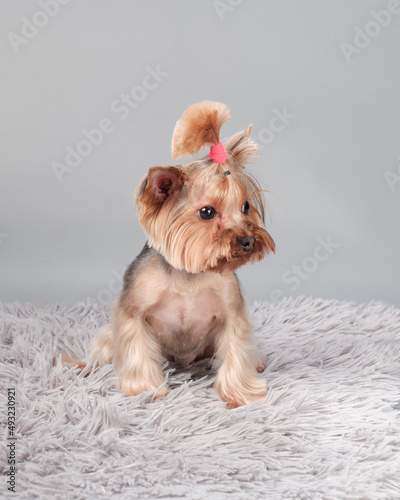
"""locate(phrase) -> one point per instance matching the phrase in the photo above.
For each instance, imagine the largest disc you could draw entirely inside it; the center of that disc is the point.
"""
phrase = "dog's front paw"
(234, 393)
(133, 388)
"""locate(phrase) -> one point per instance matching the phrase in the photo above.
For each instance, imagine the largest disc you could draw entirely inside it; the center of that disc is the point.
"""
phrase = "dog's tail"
(101, 351)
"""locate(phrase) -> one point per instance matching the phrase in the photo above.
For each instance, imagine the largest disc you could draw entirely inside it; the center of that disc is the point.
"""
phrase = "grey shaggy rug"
(329, 428)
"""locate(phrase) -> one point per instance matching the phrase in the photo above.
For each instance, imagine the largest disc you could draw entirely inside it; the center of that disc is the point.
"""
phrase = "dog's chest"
(186, 317)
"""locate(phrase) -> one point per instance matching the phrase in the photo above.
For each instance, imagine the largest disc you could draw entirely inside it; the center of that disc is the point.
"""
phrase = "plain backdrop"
(319, 80)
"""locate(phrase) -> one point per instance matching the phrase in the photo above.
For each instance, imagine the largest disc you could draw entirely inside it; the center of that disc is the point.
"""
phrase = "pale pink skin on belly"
(184, 323)
(183, 313)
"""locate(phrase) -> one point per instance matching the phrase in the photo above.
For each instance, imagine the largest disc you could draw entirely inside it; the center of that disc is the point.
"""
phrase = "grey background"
(325, 170)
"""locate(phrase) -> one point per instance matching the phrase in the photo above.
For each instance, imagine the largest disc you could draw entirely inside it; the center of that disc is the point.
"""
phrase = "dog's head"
(205, 215)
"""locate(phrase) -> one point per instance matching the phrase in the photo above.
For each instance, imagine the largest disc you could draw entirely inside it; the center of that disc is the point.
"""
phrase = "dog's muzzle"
(247, 243)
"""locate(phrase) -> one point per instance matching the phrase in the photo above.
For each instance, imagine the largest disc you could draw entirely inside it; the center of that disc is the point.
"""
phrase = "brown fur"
(198, 126)
(181, 300)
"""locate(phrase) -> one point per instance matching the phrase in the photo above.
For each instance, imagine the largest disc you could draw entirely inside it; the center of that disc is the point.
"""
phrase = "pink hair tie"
(217, 153)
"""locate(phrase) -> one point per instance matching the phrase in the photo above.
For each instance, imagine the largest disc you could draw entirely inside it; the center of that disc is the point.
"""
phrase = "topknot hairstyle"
(198, 126)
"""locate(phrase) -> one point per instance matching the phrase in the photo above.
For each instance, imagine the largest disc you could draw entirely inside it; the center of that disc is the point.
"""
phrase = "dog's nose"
(247, 243)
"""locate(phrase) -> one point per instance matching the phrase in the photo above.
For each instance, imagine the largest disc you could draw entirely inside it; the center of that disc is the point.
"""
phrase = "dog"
(181, 299)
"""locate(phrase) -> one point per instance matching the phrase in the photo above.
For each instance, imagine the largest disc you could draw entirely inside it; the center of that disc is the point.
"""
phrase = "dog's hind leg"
(102, 350)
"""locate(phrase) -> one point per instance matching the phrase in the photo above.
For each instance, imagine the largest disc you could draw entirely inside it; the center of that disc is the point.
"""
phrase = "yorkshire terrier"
(181, 300)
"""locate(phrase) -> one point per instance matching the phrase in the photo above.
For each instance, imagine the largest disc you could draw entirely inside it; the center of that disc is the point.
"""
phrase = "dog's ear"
(248, 131)
(158, 185)
(241, 149)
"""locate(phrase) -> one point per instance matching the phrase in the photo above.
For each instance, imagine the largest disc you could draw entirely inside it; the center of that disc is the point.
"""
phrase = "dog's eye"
(207, 213)
(246, 207)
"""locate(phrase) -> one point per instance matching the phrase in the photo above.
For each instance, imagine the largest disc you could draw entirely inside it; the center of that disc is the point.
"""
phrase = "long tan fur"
(198, 126)
(181, 300)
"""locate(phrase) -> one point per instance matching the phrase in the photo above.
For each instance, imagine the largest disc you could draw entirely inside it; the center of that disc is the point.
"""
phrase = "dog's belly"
(185, 324)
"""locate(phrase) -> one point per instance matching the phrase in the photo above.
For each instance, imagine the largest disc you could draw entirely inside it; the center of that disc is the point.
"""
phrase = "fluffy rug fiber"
(329, 428)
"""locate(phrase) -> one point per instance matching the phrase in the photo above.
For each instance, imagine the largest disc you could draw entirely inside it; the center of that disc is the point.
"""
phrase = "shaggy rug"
(329, 428)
